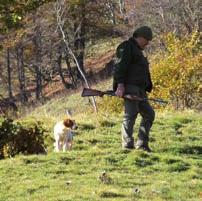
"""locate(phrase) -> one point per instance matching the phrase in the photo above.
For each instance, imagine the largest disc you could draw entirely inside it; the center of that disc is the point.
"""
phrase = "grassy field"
(97, 169)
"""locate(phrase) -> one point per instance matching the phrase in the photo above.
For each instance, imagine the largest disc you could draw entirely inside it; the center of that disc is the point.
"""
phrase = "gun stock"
(93, 92)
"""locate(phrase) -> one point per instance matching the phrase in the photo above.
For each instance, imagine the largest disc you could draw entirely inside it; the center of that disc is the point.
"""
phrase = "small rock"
(68, 182)
(104, 178)
(136, 190)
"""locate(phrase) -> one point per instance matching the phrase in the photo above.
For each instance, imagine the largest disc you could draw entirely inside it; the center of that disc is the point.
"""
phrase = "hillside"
(98, 169)
(42, 45)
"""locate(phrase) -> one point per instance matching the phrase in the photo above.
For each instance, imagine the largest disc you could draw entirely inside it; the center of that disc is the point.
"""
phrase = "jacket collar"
(135, 42)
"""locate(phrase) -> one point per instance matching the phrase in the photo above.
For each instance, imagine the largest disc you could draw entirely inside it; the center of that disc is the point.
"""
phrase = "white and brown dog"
(63, 134)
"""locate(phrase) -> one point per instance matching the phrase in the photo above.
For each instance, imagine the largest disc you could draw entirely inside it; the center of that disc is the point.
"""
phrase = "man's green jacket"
(132, 66)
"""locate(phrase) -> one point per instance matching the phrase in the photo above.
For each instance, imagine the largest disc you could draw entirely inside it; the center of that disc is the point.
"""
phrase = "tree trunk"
(122, 7)
(59, 62)
(37, 65)
(79, 43)
(71, 74)
(10, 94)
(21, 74)
(38, 91)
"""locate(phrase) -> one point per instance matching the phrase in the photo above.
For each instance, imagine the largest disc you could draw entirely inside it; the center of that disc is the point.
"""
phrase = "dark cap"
(144, 32)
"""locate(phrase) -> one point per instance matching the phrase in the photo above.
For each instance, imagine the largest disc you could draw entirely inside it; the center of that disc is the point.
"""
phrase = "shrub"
(110, 105)
(7, 131)
(26, 137)
(176, 71)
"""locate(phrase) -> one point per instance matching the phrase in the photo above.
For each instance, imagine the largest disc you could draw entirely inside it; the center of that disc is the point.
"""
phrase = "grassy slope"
(171, 172)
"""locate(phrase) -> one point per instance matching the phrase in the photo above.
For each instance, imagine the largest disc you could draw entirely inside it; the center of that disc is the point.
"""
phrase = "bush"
(26, 137)
(176, 71)
(110, 105)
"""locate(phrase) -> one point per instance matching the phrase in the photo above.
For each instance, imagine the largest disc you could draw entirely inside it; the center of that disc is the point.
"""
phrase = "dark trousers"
(132, 109)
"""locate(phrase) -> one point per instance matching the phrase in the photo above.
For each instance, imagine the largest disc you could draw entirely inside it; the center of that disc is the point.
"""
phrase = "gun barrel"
(158, 100)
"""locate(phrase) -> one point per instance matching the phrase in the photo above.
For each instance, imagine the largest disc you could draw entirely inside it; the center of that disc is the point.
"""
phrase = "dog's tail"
(68, 113)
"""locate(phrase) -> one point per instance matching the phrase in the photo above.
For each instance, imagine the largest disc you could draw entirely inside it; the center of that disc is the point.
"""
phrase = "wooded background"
(45, 41)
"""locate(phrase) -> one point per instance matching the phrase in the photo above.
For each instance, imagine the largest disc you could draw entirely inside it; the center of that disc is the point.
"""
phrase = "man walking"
(132, 76)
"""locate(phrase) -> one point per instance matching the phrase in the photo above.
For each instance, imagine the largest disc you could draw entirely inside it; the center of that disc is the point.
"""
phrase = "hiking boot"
(128, 143)
(128, 147)
(143, 147)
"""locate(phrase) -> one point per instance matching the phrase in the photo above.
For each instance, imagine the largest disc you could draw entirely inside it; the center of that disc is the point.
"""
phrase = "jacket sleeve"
(123, 54)
(150, 85)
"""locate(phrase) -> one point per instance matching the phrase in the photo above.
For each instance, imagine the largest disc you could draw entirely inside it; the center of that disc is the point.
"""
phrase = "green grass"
(172, 172)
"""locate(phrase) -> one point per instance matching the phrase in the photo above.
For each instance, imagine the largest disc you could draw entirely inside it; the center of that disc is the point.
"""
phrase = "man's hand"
(120, 90)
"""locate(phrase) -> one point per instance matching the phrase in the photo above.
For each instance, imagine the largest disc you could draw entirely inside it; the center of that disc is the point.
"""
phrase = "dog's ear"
(68, 123)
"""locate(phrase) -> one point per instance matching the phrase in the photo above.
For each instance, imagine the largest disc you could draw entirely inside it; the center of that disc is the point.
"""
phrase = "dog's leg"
(70, 145)
(56, 144)
(70, 140)
(60, 145)
(65, 144)
(65, 147)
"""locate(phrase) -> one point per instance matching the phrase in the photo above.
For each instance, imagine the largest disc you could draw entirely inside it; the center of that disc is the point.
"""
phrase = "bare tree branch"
(58, 7)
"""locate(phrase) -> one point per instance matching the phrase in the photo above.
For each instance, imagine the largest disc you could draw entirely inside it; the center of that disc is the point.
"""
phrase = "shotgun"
(93, 92)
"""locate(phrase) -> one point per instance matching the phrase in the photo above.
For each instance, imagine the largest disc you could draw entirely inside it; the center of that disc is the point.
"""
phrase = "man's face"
(142, 42)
